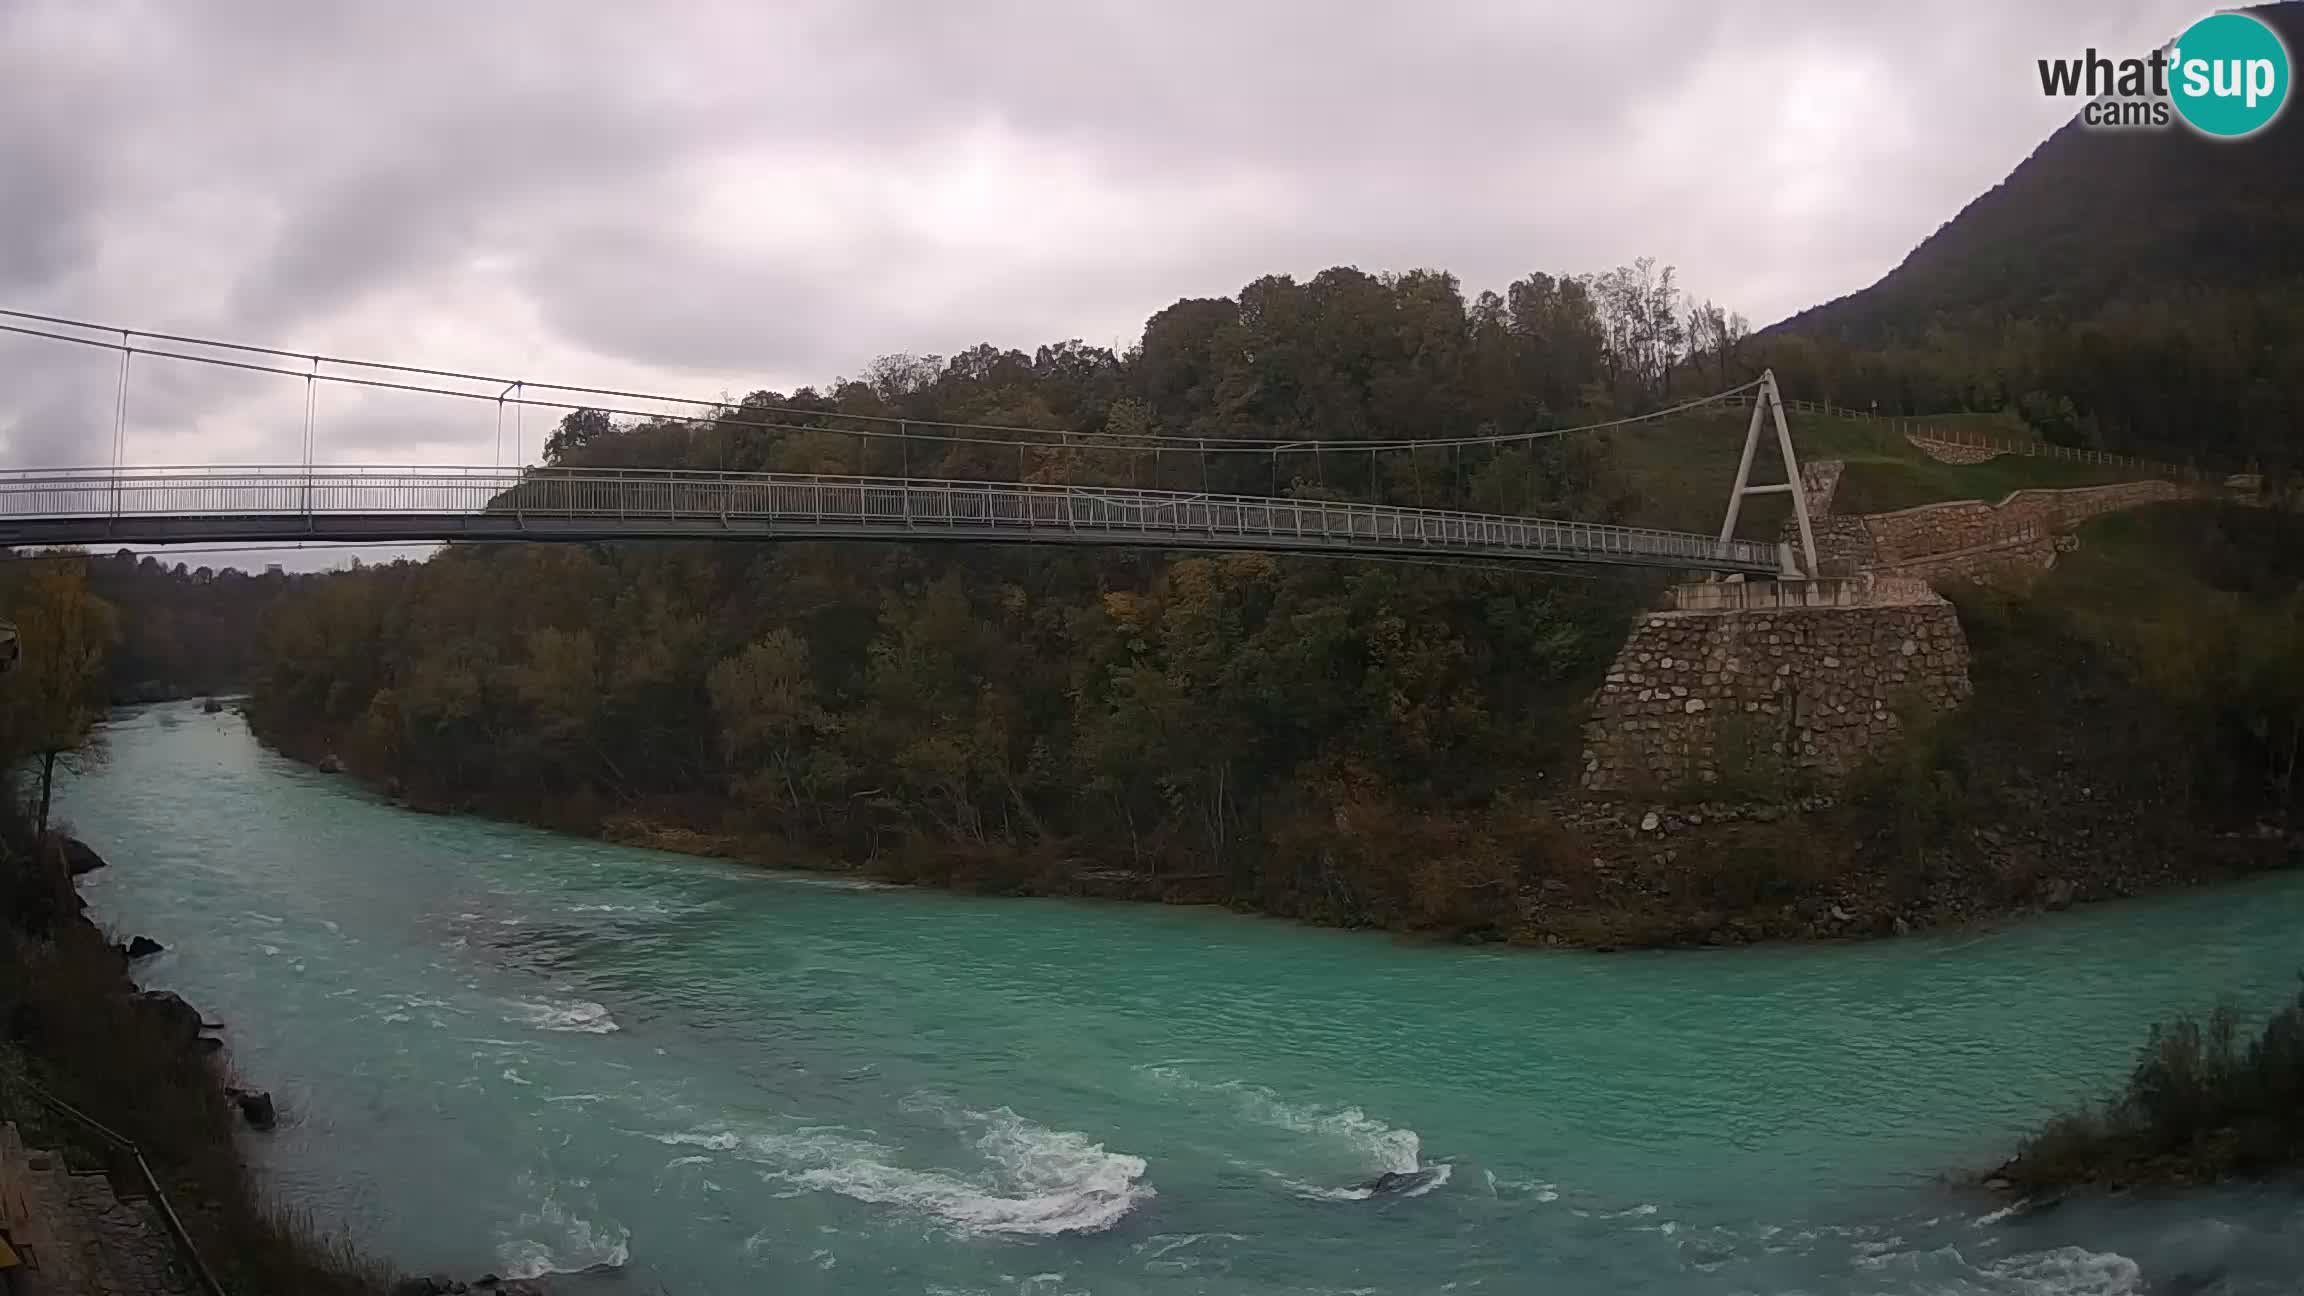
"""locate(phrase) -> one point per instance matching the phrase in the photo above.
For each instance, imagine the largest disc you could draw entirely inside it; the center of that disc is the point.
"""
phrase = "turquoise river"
(501, 1050)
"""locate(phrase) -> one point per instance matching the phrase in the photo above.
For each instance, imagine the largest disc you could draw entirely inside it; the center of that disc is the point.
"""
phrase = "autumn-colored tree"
(52, 700)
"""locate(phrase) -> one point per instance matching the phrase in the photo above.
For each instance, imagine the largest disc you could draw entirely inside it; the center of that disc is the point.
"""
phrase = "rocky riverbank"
(149, 1066)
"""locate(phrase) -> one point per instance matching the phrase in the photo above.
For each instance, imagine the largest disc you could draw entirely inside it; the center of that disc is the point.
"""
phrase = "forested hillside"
(2141, 291)
(1353, 741)
(973, 709)
(185, 630)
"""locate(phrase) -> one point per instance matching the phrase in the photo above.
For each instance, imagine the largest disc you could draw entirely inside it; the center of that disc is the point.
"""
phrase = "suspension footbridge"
(1060, 491)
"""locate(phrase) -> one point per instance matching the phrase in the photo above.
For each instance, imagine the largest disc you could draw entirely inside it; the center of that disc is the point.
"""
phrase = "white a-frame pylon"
(1765, 403)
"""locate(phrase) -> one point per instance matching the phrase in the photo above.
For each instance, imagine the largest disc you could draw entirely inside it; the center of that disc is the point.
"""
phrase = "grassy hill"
(1678, 471)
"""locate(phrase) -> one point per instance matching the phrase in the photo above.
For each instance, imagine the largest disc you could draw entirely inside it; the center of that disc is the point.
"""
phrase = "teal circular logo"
(2228, 74)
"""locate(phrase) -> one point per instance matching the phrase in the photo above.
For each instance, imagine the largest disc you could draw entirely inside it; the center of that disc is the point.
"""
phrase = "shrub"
(2198, 1106)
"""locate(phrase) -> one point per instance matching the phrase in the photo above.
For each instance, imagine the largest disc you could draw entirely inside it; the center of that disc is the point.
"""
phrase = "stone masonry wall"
(2013, 564)
(1819, 482)
(1843, 544)
(1962, 524)
(1951, 452)
(1814, 688)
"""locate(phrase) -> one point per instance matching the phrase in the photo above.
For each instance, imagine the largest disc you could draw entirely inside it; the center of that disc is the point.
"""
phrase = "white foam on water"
(2069, 1271)
(574, 1015)
(718, 1140)
(835, 884)
(1033, 1180)
(1037, 1181)
(1157, 1247)
(552, 1239)
(1378, 1145)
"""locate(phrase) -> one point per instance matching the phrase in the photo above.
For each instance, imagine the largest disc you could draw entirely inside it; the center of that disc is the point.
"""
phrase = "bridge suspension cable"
(772, 418)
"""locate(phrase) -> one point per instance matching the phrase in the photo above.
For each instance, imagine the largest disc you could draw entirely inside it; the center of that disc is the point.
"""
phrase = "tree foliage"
(54, 696)
(879, 701)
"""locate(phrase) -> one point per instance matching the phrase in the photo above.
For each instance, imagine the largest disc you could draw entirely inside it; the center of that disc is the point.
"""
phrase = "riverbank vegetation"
(2202, 1104)
(71, 1021)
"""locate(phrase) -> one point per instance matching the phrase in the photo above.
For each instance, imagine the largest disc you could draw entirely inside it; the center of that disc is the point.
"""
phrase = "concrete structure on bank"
(1806, 676)
(1815, 676)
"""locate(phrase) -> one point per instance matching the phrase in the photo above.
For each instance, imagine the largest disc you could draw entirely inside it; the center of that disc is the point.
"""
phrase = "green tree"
(766, 702)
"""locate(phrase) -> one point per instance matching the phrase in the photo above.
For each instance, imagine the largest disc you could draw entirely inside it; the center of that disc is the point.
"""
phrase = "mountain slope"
(2141, 289)
(2094, 216)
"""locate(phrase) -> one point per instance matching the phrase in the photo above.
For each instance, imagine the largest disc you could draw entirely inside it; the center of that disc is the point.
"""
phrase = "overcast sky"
(717, 196)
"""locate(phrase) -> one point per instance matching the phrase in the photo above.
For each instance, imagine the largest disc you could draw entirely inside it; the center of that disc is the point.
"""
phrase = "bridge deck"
(175, 505)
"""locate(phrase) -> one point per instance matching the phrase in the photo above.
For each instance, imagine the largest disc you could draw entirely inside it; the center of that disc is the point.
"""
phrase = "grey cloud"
(46, 205)
(530, 179)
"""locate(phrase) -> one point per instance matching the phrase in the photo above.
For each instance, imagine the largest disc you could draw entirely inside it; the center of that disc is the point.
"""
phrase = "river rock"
(176, 1018)
(211, 707)
(329, 764)
(2059, 894)
(144, 947)
(443, 1285)
(255, 1107)
(80, 857)
(1651, 821)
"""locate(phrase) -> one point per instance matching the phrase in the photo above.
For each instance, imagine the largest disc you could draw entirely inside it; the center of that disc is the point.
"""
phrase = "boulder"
(144, 947)
(211, 707)
(329, 764)
(2059, 894)
(176, 1018)
(80, 857)
(255, 1107)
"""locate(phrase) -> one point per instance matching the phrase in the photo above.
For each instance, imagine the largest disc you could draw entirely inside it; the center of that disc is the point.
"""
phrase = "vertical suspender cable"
(120, 422)
(311, 399)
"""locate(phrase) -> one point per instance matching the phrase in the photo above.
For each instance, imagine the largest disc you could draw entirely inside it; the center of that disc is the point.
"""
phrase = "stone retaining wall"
(1814, 689)
(1952, 452)
(1820, 481)
(1931, 529)
(2012, 564)
(1843, 545)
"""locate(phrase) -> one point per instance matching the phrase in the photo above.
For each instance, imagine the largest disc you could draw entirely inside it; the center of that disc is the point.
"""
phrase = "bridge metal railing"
(644, 501)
